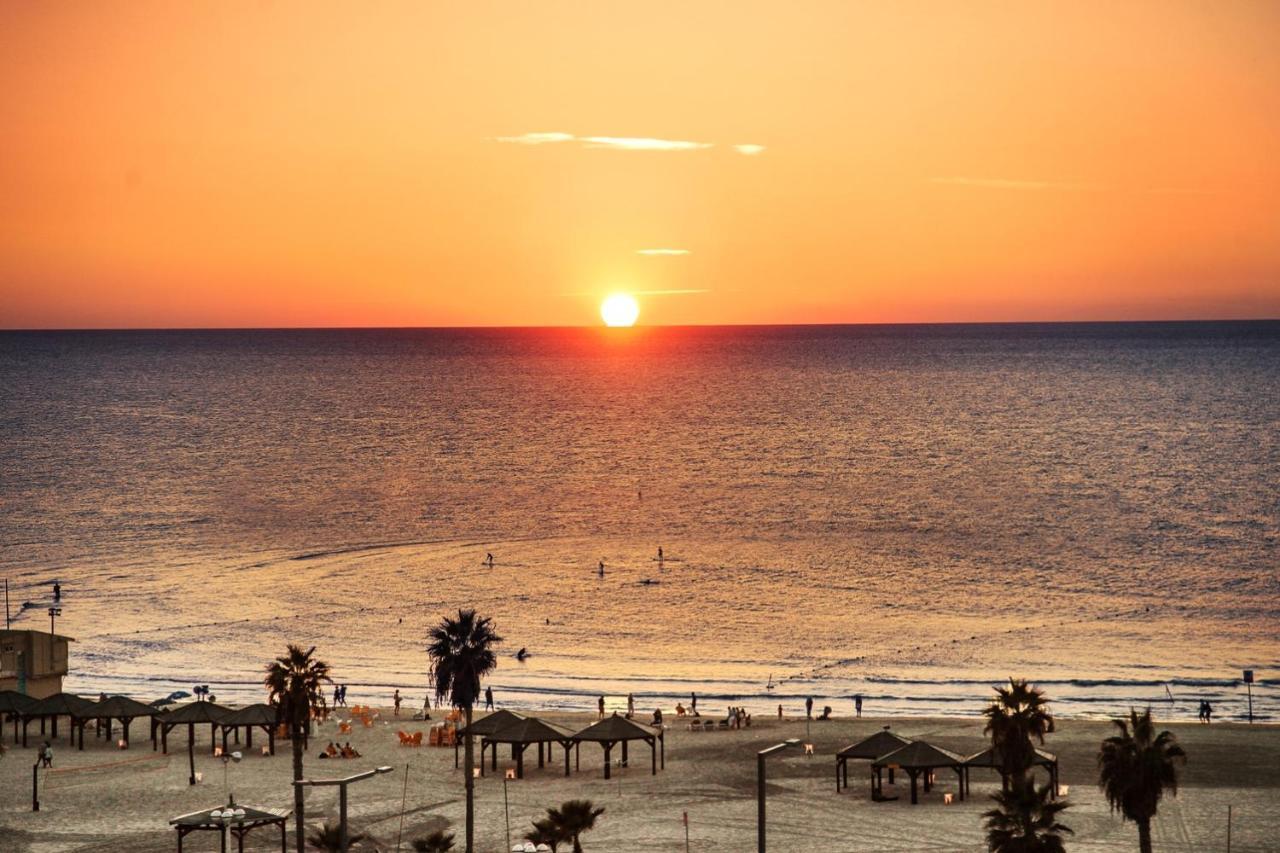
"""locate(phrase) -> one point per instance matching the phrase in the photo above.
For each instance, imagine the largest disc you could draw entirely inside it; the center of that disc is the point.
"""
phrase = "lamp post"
(506, 804)
(232, 814)
(760, 757)
(342, 795)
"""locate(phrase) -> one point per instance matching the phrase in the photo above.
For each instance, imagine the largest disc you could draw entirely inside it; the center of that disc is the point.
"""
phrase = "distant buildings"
(33, 662)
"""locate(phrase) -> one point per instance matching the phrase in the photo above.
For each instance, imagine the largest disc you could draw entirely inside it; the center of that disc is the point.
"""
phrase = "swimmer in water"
(601, 569)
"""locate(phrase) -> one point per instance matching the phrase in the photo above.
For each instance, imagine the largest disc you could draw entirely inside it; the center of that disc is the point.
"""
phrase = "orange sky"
(282, 164)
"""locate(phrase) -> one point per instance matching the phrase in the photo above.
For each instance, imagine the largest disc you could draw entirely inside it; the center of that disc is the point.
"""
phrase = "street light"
(506, 804)
(342, 796)
(760, 757)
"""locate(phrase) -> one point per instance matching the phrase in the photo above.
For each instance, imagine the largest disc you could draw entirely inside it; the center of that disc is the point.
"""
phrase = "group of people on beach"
(1206, 711)
(340, 695)
(335, 751)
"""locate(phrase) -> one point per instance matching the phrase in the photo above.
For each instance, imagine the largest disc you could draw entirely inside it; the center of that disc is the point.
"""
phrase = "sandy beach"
(105, 800)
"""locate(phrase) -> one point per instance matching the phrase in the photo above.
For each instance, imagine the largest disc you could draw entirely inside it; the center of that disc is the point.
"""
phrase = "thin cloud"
(749, 150)
(662, 251)
(642, 143)
(536, 138)
(617, 143)
(1009, 184)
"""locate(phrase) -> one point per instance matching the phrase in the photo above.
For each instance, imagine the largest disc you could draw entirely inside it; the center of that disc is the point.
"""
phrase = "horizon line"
(1144, 321)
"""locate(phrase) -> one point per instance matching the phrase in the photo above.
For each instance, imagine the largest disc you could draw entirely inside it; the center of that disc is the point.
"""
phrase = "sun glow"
(619, 309)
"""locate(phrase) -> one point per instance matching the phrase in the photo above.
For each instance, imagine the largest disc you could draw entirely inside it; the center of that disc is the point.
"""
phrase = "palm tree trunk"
(298, 803)
(469, 781)
(1144, 835)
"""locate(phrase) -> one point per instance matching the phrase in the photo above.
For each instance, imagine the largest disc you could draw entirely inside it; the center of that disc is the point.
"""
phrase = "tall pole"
(35, 782)
(760, 802)
(1249, 687)
(342, 819)
(1228, 828)
(506, 807)
(6, 604)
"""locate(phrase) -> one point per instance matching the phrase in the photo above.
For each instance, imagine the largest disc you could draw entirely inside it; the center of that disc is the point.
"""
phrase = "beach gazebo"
(521, 734)
(916, 758)
(615, 730)
(125, 710)
(76, 709)
(258, 716)
(238, 821)
(14, 705)
(990, 759)
(486, 725)
(868, 749)
(191, 715)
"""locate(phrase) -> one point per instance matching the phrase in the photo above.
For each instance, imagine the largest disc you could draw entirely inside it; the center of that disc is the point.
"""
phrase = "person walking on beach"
(57, 592)
(600, 705)
(659, 555)
(396, 700)
(1208, 712)
(693, 704)
(631, 705)
(808, 708)
(601, 569)
(857, 704)
(46, 755)
(488, 698)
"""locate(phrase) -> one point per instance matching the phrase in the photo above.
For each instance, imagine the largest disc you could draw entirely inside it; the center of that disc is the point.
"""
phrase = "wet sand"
(124, 807)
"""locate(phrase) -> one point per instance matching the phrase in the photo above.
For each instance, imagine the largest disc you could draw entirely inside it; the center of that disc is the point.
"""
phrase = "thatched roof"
(529, 730)
(13, 702)
(123, 706)
(62, 704)
(252, 715)
(919, 755)
(489, 724)
(987, 758)
(880, 743)
(615, 728)
(196, 712)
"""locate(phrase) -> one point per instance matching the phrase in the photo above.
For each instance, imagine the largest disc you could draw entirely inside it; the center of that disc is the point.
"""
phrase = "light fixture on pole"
(342, 796)
(506, 804)
(227, 758)
(760, 757)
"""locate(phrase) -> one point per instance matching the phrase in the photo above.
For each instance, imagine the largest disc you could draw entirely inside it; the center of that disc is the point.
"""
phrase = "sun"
(619, 309)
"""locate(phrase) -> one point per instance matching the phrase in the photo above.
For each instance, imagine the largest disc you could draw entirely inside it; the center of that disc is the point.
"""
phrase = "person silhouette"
(601, 570)
(808, 707)
(488, 698)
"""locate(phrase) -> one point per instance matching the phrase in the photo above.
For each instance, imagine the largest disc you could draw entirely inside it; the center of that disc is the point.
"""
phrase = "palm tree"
(461, 652)
(1018, 713)
(438, 841)
(329, 838)
(546, 832)
(1026, 820)
(1134, 769)
(295, 682)
(573, 818)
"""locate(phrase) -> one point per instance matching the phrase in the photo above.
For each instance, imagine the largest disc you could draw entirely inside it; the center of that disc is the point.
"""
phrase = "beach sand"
(92, 802)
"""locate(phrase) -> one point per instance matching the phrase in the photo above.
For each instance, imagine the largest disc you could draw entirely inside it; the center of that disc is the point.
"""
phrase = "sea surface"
(909, 513)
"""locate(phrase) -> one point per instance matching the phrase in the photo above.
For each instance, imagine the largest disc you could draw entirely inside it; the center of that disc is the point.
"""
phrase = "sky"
(208, 164)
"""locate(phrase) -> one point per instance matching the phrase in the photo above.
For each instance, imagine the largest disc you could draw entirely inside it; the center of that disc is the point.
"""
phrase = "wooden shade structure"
(125, 710)
(76, 709)
(916, 758)
(615, 730)
(13, 705)
(191, 715)
(990, 759)
(486, 725)
(258, 716)
(521, 734)
(238, 826)
(868, 749)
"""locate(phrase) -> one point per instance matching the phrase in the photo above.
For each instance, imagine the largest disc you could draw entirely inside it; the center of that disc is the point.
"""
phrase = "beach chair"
(405, 739)
(416, 740)
(345, 728)
(709, 725)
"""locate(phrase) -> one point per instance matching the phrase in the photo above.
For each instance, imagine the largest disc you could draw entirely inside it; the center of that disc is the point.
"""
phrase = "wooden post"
(191, 750)
(914, 797)
(608, 747)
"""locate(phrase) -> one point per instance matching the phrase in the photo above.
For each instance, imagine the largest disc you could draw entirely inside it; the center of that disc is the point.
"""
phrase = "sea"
(910, 514)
